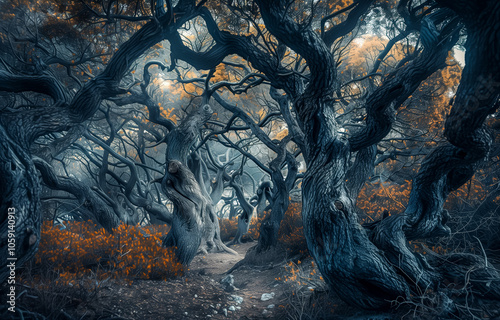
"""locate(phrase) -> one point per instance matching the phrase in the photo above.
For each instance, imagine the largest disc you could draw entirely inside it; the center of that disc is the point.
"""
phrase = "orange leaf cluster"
(228, 228)
(291, 233)
(82, 249)
(376, 197)
(302, 275)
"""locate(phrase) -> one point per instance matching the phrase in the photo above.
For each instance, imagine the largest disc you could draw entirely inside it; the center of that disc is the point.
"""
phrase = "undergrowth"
(76, 260)
(291, 233)
(82, 249)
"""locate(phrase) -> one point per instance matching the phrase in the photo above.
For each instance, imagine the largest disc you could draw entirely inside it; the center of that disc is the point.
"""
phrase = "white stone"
(267, 296)
(237, 299)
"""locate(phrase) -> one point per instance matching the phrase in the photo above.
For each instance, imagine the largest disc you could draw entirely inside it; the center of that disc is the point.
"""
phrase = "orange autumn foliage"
(82, 249)
(376, 197)
(228, 228)
(302, 274)
(291, 233)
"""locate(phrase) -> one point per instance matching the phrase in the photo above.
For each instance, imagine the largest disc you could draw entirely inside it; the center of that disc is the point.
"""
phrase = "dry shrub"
(306, 293)
(291, 234)
(376, 197)
(228, 229)
(303, 274)
(254, 230)
(307, 297)
(83, 250)
(45, 296)
(73, 264)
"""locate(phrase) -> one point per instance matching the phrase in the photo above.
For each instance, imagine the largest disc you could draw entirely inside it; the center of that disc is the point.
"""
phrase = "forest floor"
(198, 294)
(293, 287)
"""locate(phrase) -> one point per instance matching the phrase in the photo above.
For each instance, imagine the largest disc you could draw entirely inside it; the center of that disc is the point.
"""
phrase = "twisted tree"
(295, 50)
(22, 125)
(372, 269)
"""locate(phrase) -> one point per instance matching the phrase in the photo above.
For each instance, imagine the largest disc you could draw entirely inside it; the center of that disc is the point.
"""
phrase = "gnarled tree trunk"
(351, 264)
(246, 215)
(105, 214)
(184, 191)
(19, 128)
(269, 230)
(179, 144)
(19, 205)
(263, 196)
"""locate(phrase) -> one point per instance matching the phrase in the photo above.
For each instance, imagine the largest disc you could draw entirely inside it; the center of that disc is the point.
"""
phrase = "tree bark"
(179, 144)
(269, 230)
(263, 196)
(450, 166)
(248, 211)
(19, 195)
(181, 187)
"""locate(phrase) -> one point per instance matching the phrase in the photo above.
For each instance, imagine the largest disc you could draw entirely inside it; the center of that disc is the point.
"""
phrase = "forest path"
(199, 295)
(196, 295)
(250, 283)
(217, 264)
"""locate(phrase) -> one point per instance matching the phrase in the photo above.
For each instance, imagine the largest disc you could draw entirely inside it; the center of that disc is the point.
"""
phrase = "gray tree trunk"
(207, 237)
(20, 128)
(372, 274)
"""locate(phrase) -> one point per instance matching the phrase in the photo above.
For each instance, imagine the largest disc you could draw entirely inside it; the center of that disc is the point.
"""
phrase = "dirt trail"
(218, 263)
(197, 295)
(250, 283)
